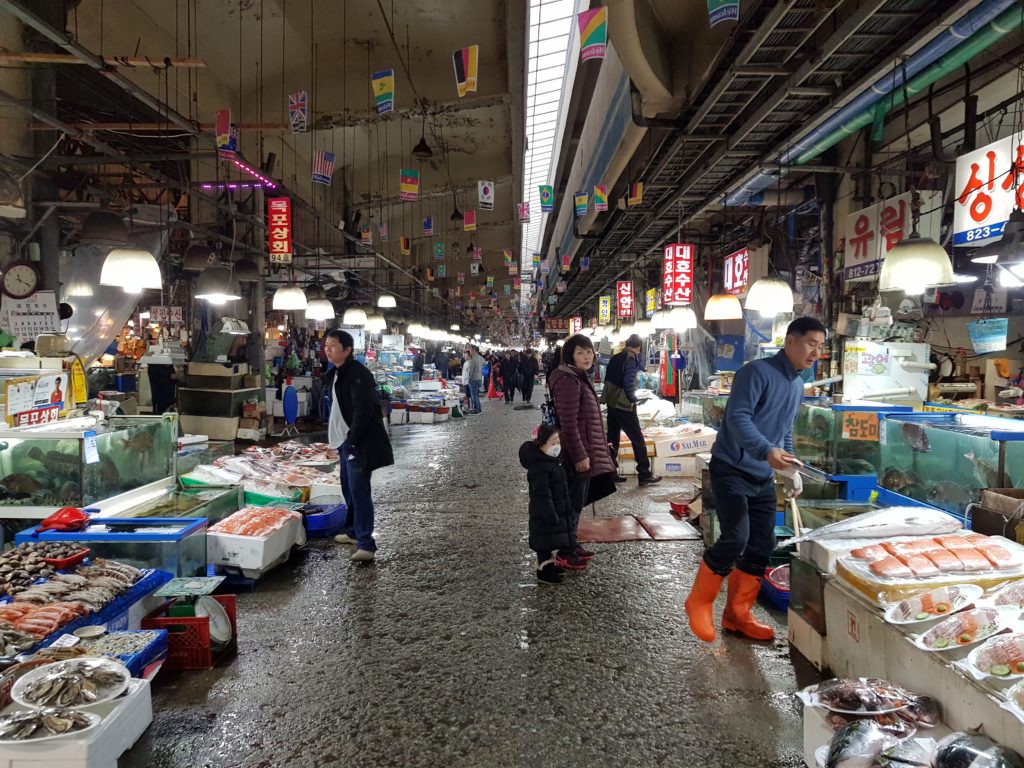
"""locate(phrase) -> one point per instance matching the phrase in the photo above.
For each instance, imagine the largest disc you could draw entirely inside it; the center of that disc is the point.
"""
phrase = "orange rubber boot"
(743, 589)
(702, 597)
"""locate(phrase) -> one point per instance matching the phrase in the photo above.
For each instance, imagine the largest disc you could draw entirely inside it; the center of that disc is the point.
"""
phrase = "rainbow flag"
(384, 90)
(600, 198)
(536, 260)
(409, 184)
(469, 221)
(636, 194)
(581, 200)
(465, 62)
(547, 198)
(405, 244)
(507, 255)
(593, 33)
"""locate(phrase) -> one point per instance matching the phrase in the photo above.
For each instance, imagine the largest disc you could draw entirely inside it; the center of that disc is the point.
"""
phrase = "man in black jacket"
(509, 372)
(619, 395)
(528, 369)
(356, 428)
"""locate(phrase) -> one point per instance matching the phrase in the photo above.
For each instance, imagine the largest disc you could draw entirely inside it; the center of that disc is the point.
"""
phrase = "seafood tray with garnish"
(933, 604)
(1000, 657)
(962, 630)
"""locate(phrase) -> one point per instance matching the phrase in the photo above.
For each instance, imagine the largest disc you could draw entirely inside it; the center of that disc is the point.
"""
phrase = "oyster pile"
(74, 683)
(20, 566)
(44, 722)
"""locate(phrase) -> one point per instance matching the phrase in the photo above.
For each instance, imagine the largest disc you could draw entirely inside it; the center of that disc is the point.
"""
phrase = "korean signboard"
(651, 301)
(987, 187)
(604, 309)
(737, 271)
(575, 325)
(279, 230)
(556, 325)
(677, 275)
(624, 297)
(872, 232)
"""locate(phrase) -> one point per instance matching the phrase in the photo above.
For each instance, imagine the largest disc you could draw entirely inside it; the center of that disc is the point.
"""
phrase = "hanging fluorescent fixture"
(216, 286)
(387, 301)
(770, 296)
(288, 298)
(354, 316)
(723, 306)
(131, 268)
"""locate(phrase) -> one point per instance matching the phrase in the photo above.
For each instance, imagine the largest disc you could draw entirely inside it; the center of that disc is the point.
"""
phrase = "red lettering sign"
(677, 275)
(737, 271)
(624, 297)
(38, 416)
(279, 230)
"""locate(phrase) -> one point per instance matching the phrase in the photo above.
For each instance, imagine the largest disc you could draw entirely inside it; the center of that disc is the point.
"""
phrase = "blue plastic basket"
(323, 520)
(779, 598)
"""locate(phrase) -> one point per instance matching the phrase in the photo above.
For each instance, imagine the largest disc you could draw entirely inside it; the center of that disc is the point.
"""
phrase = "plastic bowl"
(91, 631)
(66, 562)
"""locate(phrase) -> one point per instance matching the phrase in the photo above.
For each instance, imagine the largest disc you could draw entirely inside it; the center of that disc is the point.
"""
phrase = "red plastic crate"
(188, 637)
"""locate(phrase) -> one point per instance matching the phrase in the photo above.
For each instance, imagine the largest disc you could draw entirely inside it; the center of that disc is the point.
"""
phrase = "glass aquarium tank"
(840, 439)
(79, 462)
(946, 459)
(704, 408)
(213, 503)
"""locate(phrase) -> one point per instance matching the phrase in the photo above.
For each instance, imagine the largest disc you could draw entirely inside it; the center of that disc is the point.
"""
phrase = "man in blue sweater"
(755, 439)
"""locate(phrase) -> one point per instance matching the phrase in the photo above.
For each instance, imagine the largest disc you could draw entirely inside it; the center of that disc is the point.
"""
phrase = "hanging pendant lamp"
(289, 298)
(103, 228)
(770, 296)
(387, 301)
(217, 286)
(915, 263)
(723, 306)
(130, 267)
(682, 319)
(354, 316)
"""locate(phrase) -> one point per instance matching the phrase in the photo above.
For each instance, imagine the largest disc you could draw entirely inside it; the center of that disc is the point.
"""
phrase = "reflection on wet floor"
(447, 652)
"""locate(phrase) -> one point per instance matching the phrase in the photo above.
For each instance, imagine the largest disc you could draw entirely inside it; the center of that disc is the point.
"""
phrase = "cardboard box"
(227, 381)
(674, 466)
(253, 435)
(686, 444)
(626, 448)
(1005, 501)
(245, 423)
(252, 410)
(217, 369)
(216, 428)
(252, 381)
(627, 467)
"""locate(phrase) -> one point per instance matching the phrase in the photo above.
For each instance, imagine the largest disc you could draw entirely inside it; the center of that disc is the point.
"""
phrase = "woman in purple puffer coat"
(584, 442)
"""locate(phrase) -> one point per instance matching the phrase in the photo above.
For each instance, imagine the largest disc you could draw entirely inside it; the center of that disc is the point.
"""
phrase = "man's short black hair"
(342, 337)
(804, 325)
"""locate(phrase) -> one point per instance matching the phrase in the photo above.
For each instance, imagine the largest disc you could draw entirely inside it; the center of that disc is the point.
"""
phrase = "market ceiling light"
(246, 271)
(198, 257)
(682, 319)
(723, 306)
(660, 320)
(103, 228)
(288, 298)
(1008, 245)
(319, 309)
(376, 323)
(354, 316)
(387, 301)
(233, 327)
(217, 286)
(455, 327)
(770, 296)
(1008, 279)
(643, 328)
(963, 279)
(131, 268)
(914, 264)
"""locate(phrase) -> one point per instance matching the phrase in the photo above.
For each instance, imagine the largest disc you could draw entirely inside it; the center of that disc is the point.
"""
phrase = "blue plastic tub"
(323, 520)
(778, 597)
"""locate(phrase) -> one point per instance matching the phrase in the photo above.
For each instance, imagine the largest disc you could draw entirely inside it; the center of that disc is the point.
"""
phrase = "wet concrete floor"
(446, 651)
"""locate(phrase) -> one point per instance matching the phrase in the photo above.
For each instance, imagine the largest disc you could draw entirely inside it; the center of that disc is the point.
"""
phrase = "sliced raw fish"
(1000, 557)
(963, 629)
(954, 542)
(870, 553)
(972, 559)
(919, 564)
(891, 568)
(908, 547)
(1001, 656)
(936, 602)
(1011, 594)
(944, 560)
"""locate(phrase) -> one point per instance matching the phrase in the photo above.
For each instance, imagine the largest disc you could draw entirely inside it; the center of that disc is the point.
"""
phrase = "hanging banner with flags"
(469, 221)
(600, 198)
(428, 226)
(636, 194)
(298, 111)
(367, 236)
(323, 167)
(593, 33)
(439, 251)
(409, 184)
(524, 213)
(405, 243)
(581, 200)
(723, 10)
(474, 269)
(465, 62)
(584, 263)
(604, 310)
(478, 253)
(442, 270)
(547, 198)
(384, 90)
(382, 230)
(485, 195)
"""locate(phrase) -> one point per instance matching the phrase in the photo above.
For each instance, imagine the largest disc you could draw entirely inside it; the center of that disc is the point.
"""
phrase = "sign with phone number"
(979, 234)
(860, 425)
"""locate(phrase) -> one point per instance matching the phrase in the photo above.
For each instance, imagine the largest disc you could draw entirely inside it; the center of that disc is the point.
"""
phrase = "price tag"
(860, 425)
(92, 453)
(66, 641)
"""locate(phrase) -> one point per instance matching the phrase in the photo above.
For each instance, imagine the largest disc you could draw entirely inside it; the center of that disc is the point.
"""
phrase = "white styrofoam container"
(627, 466)
(253, 556)
(131, 618)
(824, 554)
(686, 443)
(124, 720)
(626, 448)
(674, 466)
(805, 639)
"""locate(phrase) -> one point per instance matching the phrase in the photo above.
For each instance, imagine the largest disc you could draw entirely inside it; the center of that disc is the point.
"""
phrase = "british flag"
(298, 111)
(323, 167)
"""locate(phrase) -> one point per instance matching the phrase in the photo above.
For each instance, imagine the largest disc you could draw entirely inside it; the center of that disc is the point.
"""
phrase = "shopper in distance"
(619, 394)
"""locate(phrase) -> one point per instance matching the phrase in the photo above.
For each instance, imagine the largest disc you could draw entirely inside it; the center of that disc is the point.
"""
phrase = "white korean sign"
(872, 232)
(987, 185)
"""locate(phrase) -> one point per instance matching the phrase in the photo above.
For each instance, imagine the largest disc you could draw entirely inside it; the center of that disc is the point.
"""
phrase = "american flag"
(323, 167)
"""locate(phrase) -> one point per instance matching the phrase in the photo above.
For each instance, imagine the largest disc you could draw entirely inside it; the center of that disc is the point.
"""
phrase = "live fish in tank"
(56, 461)
(949, 496)
(19, 485)
(856, 467)
(897, 480)
(916, 438)
(820, 429)
(141, 442)
(986, 472)
(108, 471)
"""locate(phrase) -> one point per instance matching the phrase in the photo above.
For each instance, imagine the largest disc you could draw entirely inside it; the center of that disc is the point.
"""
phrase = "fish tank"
(191, 456)
(83, 463)
(840, 439)
(704, 408)
(211, 502)
(946, 459)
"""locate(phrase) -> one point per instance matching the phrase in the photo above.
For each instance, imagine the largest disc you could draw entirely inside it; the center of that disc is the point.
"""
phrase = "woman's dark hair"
(342, 337)
(569, 348)
(544, 433)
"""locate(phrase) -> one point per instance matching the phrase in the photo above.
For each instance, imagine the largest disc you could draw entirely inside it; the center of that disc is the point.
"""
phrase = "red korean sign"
(737, 271)
(624, 297)
(279, 230)
(556, 325)
(677, 276)
(988, 187)
(38, 416)
(575, 325)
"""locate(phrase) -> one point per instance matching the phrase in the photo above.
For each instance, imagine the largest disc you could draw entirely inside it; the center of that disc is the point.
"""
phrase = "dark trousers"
(579, 486)
(543, 555)
(746, 516)
(627, 421)
(527, 388)
(508, 388)
(355, 487)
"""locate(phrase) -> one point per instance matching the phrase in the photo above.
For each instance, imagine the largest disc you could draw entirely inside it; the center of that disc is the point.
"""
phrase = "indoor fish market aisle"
(447, 652)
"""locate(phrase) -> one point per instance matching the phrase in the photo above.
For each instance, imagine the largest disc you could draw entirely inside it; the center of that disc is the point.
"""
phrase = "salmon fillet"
(871, 553)
(891, 568)
(944, 560)
(972, 559)
(1000, 557)
(919, 564)
(954, 542)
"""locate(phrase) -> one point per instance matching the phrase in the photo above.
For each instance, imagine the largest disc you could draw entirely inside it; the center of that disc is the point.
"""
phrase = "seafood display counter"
(706, 408)
(840, 439)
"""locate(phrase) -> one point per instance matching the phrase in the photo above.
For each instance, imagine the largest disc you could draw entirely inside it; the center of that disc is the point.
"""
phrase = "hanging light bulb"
(217, 286)
(320, 309)
(723, 306)
(1013, 236)
(682, 319)
(354, 316)
(422, 150)
(289, 297)
(103, 228)
(376, 323)
(914, 264)
(770, 296)
(130, 267)
(387, 301)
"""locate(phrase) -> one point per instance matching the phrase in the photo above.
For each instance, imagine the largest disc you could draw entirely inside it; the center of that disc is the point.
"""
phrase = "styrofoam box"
(252, 434)
(686, 444)
(824, 554)
(319, 490)
(626, 449)
(805, 639)
(132, 617)
(627, 467)
(124, 721)
(674, 466)
(249, 553)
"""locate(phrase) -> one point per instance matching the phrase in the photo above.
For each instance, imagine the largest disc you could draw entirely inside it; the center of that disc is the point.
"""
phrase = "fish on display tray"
(1009, 594)
(863, 696)
(933, 604)
(967, 628)
(1001, 656)
(892, 723)
(968, 750)
(885, 523)
(857, 745)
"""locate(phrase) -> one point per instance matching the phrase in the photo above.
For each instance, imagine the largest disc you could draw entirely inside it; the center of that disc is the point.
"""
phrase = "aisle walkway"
(447, 653)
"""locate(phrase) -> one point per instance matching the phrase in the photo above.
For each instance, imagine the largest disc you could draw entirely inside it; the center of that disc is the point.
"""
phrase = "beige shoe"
(362, 556)
(341, 538)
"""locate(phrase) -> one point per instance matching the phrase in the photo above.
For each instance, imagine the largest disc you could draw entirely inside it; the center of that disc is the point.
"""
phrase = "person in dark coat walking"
(528, 369)
(550, 508)
(441, 363)
(418, 362)
(619, 394)
(584, 444)
(509, 372)
(356, 428)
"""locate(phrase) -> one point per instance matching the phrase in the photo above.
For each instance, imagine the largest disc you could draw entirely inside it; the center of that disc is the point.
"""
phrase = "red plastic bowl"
(66, 562)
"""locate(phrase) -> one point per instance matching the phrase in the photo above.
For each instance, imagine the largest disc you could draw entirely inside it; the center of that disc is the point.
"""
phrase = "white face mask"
(553, 450)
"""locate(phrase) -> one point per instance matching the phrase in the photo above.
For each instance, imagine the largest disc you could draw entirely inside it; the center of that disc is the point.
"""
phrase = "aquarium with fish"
(704, 408)
(192, 456)
(210, 502)
(946, 459)
(82, 463)
(840, 439)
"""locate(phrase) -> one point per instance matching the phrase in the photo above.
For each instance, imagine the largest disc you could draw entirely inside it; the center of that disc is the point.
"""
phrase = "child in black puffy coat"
(549, 501)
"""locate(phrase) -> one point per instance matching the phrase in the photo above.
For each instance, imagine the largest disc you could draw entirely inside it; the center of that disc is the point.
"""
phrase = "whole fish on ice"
(884, 523)
(857, 745)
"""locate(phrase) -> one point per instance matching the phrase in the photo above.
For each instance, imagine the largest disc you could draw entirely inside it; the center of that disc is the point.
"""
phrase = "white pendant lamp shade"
(354, 316)
(376, 323)
(216, 286)
(415, 329)
(661, 320)
(130, 267)
(455, 326)
(643, 328)
(319, 309)
(914, 264)
(289, 297)
(387, 301)
(682, 319)
(770, 296)
(723, 306)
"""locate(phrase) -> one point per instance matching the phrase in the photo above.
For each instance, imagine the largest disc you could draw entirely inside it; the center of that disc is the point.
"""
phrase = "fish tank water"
(704, 408)
(840, 439)
(79, 462)
(946, 459)
(212, 503)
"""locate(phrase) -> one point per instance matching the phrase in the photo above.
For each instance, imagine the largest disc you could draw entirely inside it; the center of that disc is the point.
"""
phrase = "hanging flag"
(323, 167)
(437, 293)
(600, 198)
(439, 251)
(566, 262)
(636, 194)
(536, 260)
(593, 33)
(545, 268)
(465, 62)
(474, 269)
(430, 275)
(222, 127)
(461, 278)
(384, 90)
(382, 230)
(513, 268)
(367, 236)
(298, 111)
(584, 263)
(428, 226)
(524, 213)
(485, 194)
(406, 245)
(409, 184)
(490, 281)
(723, 10)
(442, 270)
(508, 288)
(547, 198)
(469, 221)
(478, 253)
(581, 200)
(507, 256)
(517, 283)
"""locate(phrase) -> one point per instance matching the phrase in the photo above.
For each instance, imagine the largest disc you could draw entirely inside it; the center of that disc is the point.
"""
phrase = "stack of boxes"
(212, 401)
(672, 451)
(254, 421)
